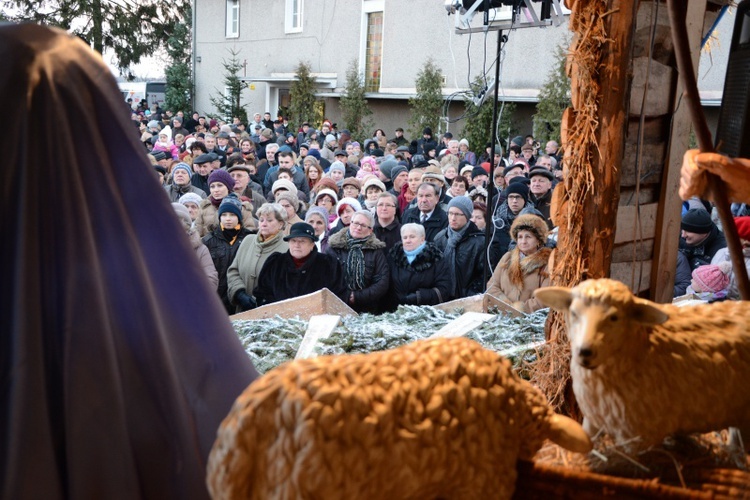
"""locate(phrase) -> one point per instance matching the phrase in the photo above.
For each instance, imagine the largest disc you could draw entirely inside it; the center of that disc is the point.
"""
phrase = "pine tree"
(554, 98)
(302, 97)
(354, 107)
(478, 127)
(179, 78)
(427, 105)
(228, 104)
(130, 29)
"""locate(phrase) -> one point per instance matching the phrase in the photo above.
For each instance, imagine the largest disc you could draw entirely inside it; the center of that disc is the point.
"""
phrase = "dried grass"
(708, 462)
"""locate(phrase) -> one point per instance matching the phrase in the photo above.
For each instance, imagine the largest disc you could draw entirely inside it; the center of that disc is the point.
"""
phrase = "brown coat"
(514, 282)
(208, 217)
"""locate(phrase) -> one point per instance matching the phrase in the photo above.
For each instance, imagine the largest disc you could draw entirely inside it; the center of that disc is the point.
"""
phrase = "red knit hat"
(711, 278)
(743, 227)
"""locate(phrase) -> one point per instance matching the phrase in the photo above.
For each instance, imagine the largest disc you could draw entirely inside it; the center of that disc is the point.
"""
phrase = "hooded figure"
(112, 386)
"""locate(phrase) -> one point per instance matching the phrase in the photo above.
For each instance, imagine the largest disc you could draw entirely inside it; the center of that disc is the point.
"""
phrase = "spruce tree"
(427, 105)
(302, 97)
(228, 104)
(179, 78)
(354, 107)
(129, 29)
(478, 127)
(554, 98)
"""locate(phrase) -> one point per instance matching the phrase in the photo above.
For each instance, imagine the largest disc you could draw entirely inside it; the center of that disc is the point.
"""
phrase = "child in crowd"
(711, 282)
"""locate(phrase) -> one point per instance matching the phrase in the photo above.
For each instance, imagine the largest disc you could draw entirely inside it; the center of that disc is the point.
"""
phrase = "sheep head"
(602, 316)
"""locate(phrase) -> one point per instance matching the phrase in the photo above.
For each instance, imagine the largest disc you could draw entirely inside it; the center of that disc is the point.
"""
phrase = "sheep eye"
(614, 318)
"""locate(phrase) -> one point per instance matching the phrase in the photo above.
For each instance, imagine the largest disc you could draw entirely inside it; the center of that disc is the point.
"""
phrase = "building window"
(233, 18)
(293, 17)
(373, 51)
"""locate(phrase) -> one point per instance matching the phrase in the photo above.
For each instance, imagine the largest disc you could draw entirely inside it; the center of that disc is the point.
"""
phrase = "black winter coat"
(701, 254)
(280, 279)
(469, 261)
(390, 234)
(432, 226)
(222, 253)
(377, 277)
(424, 282)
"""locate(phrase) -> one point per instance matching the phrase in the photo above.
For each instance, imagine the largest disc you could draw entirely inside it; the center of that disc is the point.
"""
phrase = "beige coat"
(252, 254)
(208, 217)
(514, 282)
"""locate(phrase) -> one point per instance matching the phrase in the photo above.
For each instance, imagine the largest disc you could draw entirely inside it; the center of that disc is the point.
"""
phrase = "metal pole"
(491, 188)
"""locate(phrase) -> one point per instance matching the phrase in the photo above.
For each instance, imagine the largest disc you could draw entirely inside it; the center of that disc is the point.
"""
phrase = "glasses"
(361, 226)
(456, 214)
(384, 205)
(515, 197)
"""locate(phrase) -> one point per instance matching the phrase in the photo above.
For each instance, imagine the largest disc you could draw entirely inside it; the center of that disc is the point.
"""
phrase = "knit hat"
(373, 181)
(330, 138)
(183, 166)
(319, 211)
(387, 166)
(462, 203)
(348, 201)
(712, 278)
(466, 168)
(223, 177)
(159, 155)
(153, 124)
(190, 198)
(464, 142)
(697, 220)
(284, 184)
(517, 188)
(329, 192)
(531, 223)
(337, 165)
(314, 153)
(477, 171)
(291, 198)
(182, 214)
(232, 204)
(166, 131)
(266, 133)
(743, 227)
(160, 169)
(395, 171)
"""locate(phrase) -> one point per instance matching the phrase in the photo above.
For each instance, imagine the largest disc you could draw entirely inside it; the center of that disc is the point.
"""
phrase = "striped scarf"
(354, 270)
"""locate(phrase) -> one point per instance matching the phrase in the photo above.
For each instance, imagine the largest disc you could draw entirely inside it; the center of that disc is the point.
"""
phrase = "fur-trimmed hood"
(425, 260)
(517, 269)
(338, 240)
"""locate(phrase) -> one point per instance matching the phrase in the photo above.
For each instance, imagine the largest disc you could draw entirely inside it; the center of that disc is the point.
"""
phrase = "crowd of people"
(382, 223)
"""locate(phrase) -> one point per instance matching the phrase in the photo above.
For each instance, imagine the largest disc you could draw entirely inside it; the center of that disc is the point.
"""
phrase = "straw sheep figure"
(643, 371)
(440, 418)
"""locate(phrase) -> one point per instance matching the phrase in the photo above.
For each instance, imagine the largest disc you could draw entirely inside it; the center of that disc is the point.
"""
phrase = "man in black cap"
(425, 141)
(299, 271)
(541, 191)
(400, 140)
(202, 167)
(161, 158)
(700, 239)
(222, 148)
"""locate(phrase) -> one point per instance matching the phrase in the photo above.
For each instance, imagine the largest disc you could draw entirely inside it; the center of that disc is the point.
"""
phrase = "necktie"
(423, 217)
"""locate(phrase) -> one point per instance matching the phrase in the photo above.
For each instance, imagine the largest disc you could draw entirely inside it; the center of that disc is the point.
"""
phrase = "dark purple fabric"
(117, 360)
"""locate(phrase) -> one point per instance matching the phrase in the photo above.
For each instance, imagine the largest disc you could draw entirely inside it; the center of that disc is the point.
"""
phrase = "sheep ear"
(558, 298)
(647, 313)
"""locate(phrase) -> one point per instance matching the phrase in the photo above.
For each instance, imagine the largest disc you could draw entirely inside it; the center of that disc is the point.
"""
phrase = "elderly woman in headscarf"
(291, 204)
(220, 184)
(525, 268)
(253, 252)
(317, 217)
(364, 263)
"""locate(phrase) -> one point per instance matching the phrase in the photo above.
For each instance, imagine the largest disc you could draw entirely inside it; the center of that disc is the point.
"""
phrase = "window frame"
(289, 15)
(232, 13)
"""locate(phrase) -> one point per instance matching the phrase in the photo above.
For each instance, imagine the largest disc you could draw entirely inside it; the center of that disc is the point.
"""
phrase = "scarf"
(230, 233)
(412, 254)
(504, 217)
(450, 255)
(214, 201)
(354, 269)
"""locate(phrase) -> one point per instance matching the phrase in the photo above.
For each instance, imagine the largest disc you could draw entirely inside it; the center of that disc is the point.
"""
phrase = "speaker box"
(733, 131)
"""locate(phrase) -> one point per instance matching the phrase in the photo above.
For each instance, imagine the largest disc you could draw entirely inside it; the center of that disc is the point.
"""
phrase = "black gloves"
(244, 301)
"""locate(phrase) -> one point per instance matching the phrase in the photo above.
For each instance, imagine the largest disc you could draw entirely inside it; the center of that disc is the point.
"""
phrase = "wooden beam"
(670, 205)
(628, 216)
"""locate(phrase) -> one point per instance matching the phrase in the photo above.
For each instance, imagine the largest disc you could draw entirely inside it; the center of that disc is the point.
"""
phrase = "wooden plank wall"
(648, 198)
